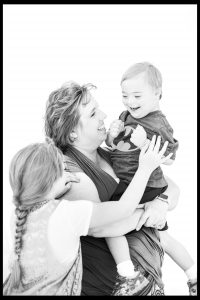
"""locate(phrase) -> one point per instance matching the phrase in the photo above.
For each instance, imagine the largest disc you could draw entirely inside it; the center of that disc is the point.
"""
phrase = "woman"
(76, 124)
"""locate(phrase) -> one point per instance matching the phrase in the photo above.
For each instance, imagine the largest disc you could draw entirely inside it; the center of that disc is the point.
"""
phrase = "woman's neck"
(91, 154)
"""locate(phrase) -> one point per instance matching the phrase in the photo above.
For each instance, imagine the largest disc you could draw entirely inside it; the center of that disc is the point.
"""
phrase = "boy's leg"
(176, 251)
(120, 251)
(181, 257)
(129, 281)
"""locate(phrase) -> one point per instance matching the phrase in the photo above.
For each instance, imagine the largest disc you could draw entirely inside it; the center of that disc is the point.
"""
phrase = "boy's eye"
(93, 114)
(124, 96)
(137, 96)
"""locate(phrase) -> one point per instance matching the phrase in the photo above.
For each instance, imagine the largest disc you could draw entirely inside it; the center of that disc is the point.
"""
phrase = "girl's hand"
(69, 178)
(150, 157)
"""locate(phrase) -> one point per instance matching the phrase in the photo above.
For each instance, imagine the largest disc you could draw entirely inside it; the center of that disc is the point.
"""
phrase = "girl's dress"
(42, 272)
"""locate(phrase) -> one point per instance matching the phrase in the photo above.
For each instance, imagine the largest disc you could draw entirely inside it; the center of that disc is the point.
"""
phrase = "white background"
(46, 45)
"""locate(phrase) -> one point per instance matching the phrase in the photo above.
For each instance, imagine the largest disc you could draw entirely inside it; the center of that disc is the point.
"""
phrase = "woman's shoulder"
(71, 165)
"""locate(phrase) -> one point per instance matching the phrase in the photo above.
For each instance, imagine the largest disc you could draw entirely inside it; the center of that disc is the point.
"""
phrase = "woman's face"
(91, 130)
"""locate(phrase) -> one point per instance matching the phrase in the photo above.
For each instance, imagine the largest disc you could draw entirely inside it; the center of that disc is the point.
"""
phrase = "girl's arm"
(111, 211)
(117, 228)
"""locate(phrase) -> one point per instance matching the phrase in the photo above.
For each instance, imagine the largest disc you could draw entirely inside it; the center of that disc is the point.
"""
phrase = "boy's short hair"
(154, 76)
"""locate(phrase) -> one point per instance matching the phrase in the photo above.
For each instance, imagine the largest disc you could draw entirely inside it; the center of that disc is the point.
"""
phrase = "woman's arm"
(173, 193)
(156, 210)
(117, 228)
(111, 211)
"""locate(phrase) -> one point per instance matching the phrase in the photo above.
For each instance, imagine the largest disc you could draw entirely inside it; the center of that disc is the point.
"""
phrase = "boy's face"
(139, 97)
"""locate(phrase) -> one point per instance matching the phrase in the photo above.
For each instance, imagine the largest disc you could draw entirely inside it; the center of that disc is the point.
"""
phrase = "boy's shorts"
(150, 194)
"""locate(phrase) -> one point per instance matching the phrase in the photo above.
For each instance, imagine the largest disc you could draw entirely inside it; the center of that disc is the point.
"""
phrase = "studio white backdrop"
(46, 45)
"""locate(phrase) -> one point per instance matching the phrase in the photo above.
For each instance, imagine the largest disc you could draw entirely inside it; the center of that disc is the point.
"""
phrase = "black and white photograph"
(100, 149)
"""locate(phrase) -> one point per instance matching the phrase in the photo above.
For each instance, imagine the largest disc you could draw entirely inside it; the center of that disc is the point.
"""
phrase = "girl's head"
(33, 171)
(141, 89)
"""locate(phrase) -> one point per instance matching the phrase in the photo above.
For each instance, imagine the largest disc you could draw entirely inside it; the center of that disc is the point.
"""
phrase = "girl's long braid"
(21, 214)
(21, 217)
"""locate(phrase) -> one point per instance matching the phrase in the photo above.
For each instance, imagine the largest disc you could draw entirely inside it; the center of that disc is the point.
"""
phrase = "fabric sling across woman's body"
(99, 268)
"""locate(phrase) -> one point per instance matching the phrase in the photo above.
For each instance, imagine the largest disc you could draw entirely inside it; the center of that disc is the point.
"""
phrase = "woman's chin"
(102, 136)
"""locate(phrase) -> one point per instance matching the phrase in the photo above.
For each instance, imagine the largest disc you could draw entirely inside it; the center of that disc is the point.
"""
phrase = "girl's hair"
(154, 76)
(33, 171)
(62, 111)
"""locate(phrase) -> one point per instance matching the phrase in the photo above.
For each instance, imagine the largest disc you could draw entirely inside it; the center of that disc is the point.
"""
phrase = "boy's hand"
(139, 136)
(116, 127)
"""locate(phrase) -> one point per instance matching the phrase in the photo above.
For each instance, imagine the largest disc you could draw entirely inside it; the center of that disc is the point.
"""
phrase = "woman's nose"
(102, 115)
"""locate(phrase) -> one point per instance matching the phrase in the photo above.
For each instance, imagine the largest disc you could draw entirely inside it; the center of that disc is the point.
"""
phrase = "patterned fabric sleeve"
(71, 165)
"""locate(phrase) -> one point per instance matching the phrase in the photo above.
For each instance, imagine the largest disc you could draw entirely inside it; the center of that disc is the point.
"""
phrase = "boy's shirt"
(125, 161)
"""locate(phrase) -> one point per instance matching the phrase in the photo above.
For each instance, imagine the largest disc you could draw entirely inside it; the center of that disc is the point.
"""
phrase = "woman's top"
(99, 268)
(50, 258)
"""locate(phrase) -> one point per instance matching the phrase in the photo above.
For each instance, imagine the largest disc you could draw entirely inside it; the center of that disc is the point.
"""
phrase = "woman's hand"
(150, 157)
(154, 214)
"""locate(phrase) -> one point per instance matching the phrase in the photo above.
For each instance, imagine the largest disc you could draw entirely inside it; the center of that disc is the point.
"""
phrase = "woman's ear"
(73, 136)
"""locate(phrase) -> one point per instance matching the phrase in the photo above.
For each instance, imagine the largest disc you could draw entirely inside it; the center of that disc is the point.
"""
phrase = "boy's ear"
(158, 93)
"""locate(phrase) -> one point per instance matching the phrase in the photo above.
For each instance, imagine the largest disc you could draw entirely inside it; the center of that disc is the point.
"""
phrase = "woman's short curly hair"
(62, 111)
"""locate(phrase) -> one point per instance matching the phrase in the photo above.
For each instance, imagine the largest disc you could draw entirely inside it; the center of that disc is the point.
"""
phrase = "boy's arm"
(167, 135)
(115, 128)
(109, 139)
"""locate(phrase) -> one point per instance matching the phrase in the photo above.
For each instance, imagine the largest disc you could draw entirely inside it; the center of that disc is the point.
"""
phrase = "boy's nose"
(131, 101)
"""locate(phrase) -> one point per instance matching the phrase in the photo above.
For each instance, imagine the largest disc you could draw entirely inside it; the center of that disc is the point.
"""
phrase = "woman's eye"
(124, 96)
(137, 96)
(93, 114)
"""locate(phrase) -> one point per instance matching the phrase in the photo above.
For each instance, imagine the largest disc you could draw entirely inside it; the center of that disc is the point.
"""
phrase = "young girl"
(47, 255)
